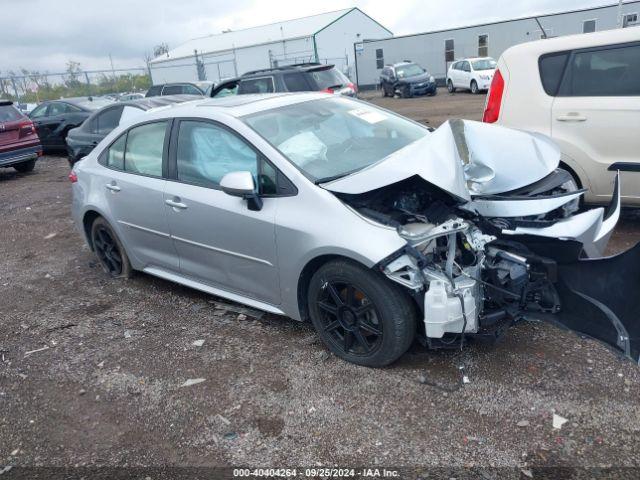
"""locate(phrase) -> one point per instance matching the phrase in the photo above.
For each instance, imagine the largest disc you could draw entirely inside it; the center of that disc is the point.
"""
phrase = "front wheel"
(474, 87)
(450, 87)
(360, 315)
(25, 167)
(109, 249)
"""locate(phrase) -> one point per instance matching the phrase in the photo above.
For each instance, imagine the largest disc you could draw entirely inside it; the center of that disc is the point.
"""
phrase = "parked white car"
(474, 74)
(582, 91)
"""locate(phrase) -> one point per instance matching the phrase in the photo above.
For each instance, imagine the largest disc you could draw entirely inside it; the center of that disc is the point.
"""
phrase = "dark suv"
(183, 88)
(407, 79)
(303, 77)
(19, 143)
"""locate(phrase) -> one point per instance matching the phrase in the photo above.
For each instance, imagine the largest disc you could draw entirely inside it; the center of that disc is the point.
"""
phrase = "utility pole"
(620, 22)
(113, 70)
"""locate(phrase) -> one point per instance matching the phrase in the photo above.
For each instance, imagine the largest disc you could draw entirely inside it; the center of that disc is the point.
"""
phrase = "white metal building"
(326, 38)
(436, 50)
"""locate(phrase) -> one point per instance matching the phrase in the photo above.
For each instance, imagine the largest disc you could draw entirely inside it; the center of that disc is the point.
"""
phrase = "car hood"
(464, 158)
(423, 77)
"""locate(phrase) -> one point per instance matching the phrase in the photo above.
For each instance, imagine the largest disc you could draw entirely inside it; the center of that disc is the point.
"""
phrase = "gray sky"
(44, 34)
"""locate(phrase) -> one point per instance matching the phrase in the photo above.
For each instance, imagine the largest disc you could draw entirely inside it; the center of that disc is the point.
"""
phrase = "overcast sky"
(44, 34)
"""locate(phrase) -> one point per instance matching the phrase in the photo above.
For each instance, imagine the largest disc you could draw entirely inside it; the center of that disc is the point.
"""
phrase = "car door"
(219, 240)
(134, 186)
(96, 128)
(596, 114)
(39, 116)
(464, 75)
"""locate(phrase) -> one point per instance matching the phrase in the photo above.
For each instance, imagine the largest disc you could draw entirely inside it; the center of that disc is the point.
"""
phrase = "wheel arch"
(87, 222)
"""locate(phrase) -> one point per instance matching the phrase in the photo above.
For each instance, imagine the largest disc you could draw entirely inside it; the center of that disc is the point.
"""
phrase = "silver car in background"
(367, 224)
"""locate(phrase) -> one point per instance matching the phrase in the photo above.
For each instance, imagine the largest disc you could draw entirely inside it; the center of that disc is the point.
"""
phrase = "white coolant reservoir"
(443, 311)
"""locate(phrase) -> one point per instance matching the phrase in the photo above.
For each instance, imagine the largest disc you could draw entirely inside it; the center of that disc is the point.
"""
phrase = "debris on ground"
(523, 423)
(50, 236)
(558, 421)
(223, 419)
(197, 343)
(46, 347)
(192, 381)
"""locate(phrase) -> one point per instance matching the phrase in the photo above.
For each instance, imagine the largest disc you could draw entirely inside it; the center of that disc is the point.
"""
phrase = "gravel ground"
(103, 385)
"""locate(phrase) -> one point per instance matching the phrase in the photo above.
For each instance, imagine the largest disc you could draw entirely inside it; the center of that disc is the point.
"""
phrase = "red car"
(19, 143)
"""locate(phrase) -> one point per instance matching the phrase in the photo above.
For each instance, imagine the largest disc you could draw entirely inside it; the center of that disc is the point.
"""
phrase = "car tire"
(435, 92)
(360, 315)
(450, 86)
(474, 87)
(109, 250)
(25, 167)
(406, 92)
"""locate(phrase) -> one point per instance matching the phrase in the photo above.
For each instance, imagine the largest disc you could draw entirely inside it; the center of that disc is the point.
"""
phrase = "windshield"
(332, 137)
(409, 70)
(485, 64)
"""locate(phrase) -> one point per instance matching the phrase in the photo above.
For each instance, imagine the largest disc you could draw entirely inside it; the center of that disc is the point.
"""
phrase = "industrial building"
(437, 49)
(326, 38)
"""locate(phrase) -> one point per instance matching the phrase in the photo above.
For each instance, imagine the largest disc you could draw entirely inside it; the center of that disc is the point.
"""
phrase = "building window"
(588, 26)
(379, 58)
(629, 20)
(449, 53)
(483, 45)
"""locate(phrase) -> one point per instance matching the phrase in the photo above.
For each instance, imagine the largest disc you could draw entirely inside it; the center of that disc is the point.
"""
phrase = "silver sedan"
(369, 225)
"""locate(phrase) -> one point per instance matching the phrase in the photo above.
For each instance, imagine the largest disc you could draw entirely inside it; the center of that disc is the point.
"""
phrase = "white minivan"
(584, 92)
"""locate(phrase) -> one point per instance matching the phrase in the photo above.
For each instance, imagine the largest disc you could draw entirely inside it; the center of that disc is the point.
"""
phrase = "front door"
(220, 241)
(596, 115)
(134, 191)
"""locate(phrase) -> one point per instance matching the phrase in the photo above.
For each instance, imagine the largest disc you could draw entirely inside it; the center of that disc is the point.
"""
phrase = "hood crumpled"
(463, 157)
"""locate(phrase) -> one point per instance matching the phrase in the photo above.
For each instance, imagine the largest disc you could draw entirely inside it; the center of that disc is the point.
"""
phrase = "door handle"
(112, 187)
(175, 205)
(571, 117)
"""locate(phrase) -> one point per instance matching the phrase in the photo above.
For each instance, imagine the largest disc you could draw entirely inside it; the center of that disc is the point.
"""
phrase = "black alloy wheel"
(350, 319)
(109, 250)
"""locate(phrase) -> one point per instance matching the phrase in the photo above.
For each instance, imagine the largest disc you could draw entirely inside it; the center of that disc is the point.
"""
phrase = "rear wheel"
(450, 86)
(359, 315)
(474, 87)
(109, 249)
(25, 167)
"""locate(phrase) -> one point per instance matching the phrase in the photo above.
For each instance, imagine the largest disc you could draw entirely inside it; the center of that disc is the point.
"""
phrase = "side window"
(39, 111)
(145, 145)
(551, 69)
(57, 108)
(296, 82)
(90, 125)
(379, 58)
(108, 120)
(191, 90)
(466, 66)
(603, 73)
(173, 90)
(115, 153)
(225, 90)
(267, 179)
(154, 91)
(207, 152)
(257, 85)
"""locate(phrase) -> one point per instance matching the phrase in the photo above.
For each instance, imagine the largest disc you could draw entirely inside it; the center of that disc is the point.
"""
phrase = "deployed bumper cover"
(600, 298)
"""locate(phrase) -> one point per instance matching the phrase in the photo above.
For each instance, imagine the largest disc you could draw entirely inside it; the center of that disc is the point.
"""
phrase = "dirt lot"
(103, 384)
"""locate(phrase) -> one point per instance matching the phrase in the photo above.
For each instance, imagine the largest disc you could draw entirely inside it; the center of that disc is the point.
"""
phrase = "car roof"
(240, 105)
(297, 67)
(147, 103)
(570, 42)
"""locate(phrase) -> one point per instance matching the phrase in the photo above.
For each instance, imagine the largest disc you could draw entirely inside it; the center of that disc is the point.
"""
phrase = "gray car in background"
(375, 229)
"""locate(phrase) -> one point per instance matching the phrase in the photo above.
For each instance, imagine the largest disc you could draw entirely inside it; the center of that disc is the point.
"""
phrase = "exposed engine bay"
(473, 275)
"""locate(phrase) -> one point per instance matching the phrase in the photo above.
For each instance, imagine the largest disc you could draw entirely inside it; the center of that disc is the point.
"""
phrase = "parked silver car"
(367, 224)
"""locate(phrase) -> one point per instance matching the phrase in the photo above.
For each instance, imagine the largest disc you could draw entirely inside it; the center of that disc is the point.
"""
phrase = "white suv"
(474, 74)
(584, 92)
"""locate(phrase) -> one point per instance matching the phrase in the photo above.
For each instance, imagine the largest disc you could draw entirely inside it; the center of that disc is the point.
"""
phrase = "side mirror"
(241, 184)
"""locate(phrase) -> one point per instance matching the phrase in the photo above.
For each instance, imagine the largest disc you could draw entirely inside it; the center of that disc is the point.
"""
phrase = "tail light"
(26, 129)
(73, 178)
(349, 89)
(494, 99)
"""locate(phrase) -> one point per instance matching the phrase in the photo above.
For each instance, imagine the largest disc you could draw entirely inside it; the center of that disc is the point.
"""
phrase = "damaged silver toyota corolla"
(368, 224)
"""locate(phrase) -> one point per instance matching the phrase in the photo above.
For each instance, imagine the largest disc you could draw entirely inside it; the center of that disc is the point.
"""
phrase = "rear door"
(596, 115)
(48, 126)
(134, 185)
(220, 241)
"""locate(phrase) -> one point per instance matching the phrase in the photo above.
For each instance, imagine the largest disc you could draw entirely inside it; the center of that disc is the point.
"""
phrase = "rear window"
(9, 113)
(327, 78)
(154, 91)
(296, 82)
(551, 69)
(256, 85)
